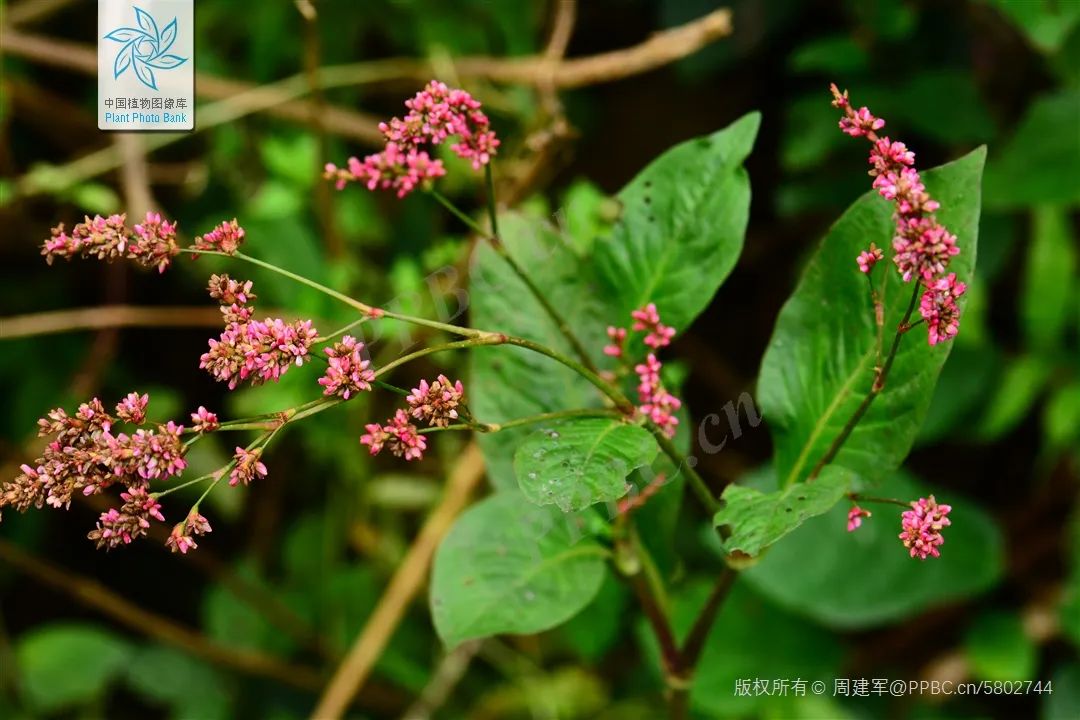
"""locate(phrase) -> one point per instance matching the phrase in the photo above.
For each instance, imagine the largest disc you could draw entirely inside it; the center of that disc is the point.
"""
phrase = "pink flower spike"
(922, 527)
(248, 466)
(375, 438)
(436, 402)
(179, 540)
(349, 370)
(868, 258)
(132, 408)
(939, 308)
(855, 516)
(226, 237)
(204, 421)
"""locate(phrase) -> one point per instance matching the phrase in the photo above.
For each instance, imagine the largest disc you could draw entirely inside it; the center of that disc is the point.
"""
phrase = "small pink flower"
(657, 404)
(436, 402)
(132, 408)
(248, 466)
(375, 437)
(349, 370)
(395, 168)
(618, 341)
(230, 292)
(226, 237)
(131, 521)
(204, 421)
(257, 351)
(399, 436)
(939, 308)
(922, 527)
(855, 516)
(180, 539)
(868, 258)
(154, 242)
(156, 453)
(648, 319)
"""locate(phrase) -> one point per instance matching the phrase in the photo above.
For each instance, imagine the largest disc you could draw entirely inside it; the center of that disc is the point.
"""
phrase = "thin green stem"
(859, 497)
(880, 375)
(391, 388)
(341, 331)
(697, 483)
(493, 213)
(459, 214)
(557, 415)
(456, 345)
(181, 486)
(613, 393)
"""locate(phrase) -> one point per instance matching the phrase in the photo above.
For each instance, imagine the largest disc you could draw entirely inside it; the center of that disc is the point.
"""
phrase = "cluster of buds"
(922, 527)
(86, 456)
(181, 539)
(349, 370)
(435, 403)
(922, 246)
(254, 350)
(151, 243)
(655, 402)
(435, 114)
(248, 466)
(227, 237)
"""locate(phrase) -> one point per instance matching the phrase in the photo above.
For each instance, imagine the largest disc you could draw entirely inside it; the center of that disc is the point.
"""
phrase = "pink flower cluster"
(181, 538)
(349, 371)
(435, 114)
(227, 237)
(923, 247)
(249, 466)
(436, 402)
(647, 319)
(922, 527)
(204, 421)
(86, 456)
(151, 243)
(132, 521)
(255, 350)
(398, 435)
(656, 403)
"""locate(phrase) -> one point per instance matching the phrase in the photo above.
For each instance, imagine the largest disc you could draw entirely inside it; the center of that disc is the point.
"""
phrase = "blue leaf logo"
(145, 48)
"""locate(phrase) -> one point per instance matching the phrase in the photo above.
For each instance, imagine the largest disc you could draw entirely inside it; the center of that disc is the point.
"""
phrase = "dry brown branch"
(280, 103)
(403, 587)
(107, 316)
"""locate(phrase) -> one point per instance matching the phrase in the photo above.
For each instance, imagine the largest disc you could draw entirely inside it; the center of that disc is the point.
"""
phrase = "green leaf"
(820, 362)
(499, 300)
(1049, 279)
(866, 578)
(188, 686)
(1014, 396)
(998, 648)
(508, 566)
(832, 55)
(1045, 22)
(756, 520)
(1064, 702)
(681, 232)
(578, 463)
(596, 629)
(1040, 164)
(64, 664)
(1061, 417)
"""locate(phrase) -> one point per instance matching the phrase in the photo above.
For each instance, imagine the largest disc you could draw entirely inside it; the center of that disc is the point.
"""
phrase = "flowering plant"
(580, 420)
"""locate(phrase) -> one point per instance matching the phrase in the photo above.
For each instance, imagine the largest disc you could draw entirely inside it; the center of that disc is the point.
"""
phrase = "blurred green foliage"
(1001, 440)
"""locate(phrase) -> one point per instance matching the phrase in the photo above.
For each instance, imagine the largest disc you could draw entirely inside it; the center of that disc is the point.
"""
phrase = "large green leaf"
(820, 361)
(756, 520)
(681, 232)
(866, 577)
(508, 566)
(511, 382)
(64, 664)
(578, 463)
(1041, 162)
(1050, 279)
